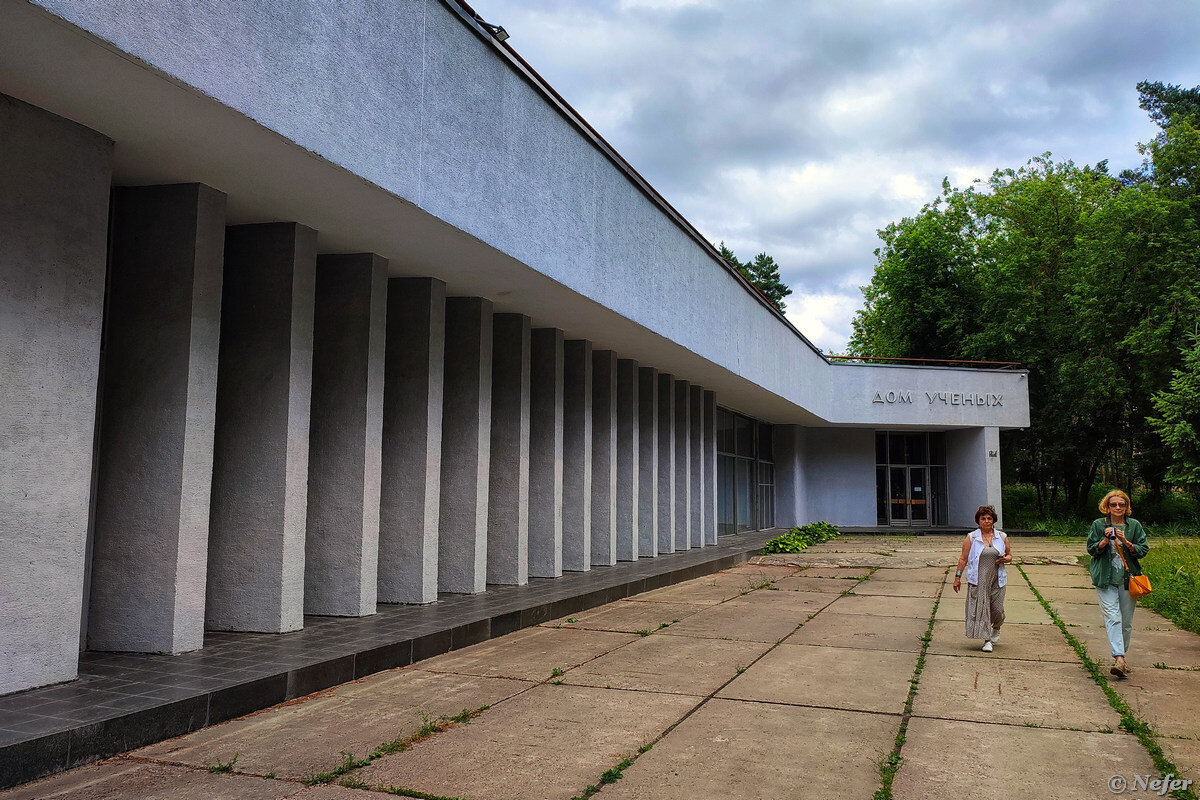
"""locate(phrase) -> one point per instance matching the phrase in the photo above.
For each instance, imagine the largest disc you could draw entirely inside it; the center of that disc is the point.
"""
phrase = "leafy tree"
(1166, 101)
(1178, 420)
(763, 273)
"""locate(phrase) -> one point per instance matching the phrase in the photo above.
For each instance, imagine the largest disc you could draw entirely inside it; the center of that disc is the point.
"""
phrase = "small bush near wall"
(798, 539)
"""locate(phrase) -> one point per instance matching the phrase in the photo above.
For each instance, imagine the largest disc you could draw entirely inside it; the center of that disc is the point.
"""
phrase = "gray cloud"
(802, 128)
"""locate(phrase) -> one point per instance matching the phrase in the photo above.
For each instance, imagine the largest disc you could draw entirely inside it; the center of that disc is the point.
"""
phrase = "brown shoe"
(1119, 670)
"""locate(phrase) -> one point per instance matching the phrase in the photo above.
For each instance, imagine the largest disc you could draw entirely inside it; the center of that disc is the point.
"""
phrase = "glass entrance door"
(898, 492)
(910, 478)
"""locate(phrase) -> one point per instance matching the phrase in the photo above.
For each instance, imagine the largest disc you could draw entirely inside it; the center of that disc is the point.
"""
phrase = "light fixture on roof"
(495, 30)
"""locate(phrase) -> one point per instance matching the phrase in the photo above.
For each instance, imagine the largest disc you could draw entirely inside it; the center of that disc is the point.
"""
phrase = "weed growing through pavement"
(1163, 665)
(1130, 722)
(429, 727)
(889, 765)
(222, 766)
(554, 673)
(572, 619)
(662, 625)
(643, 632)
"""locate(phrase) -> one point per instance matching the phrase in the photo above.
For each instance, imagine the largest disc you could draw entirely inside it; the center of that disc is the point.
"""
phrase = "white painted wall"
(839, 476)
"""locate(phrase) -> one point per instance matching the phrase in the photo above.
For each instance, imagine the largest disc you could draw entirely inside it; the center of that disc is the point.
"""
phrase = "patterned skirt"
(985, 600)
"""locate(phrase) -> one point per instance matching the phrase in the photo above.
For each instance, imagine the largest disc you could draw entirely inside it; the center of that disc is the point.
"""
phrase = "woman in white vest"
(985, 551)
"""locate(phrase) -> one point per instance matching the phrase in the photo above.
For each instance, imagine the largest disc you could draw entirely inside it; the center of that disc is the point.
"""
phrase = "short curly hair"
(989, 510)
(1120, 494)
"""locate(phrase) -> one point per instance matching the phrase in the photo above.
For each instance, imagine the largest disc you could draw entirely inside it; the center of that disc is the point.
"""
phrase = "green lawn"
(1174, 570)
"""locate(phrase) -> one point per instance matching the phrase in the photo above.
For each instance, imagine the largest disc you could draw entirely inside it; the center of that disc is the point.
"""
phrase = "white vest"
(977, 545)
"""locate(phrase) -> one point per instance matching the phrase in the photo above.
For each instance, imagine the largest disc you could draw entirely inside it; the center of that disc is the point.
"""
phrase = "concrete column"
(696, 498)
(666, 463)
(341, 550)
(787, 446)
(710, 468)
(411, 491)
(577, 455)
(260, 454)
(647, 482)
(546, 453)
(508, 481)
(466, 446)
(604, 458)
(683, 465)
(973, 473)
(154, 467)
(54, 186)
(628, 452)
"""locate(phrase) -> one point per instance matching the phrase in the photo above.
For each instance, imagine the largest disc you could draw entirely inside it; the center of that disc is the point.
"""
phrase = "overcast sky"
(801, 127)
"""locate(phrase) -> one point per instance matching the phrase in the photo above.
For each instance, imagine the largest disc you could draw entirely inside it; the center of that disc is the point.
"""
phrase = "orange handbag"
(1139, 585)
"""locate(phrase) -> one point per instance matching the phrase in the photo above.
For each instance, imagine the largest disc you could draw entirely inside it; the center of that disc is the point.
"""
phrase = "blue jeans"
(1118, 608)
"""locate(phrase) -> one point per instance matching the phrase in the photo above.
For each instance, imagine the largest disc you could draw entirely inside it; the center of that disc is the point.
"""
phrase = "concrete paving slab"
(531, 654)
(1168, 699)
(770, 571)
(989, 689)
(896, 589)
(941, 762)
(306, 736)
(919, 607)
(758, 751)
(624, 616)
(802, 604)
(1021, 642)
(1022, 612)
(744, 620)
(676, 664)
(1185, 755)
(548, 743)
(1065, 577)
(1178, 648)
(862, 631)
(829, 677)
(1062, 594)
(333, 792)
(120, 779)
(803, 583)
(841, 573)
(1081, 615)
(706, 591)
(932, 575)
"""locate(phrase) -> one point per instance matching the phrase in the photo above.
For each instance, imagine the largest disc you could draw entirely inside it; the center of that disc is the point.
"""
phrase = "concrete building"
(307, 308)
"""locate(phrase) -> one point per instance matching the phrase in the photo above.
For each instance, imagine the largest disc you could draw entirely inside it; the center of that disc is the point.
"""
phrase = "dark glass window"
(725, 522)
(914, 448)
(764, 442)
(937, 448)
(743, 429)
(881, 448)
(724, 431)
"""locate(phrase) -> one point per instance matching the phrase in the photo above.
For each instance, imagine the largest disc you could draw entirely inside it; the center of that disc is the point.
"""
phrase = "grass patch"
(219, 766)
(1129, 721)
(798, 539)
(890, 764)
(429, 727)
(1174, 572)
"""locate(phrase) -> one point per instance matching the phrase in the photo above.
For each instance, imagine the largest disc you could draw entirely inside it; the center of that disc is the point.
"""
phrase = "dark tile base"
(126, 700)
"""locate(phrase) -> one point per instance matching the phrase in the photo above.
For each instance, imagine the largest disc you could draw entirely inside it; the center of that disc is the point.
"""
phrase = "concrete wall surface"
(973, 467)
(54, 186)
(838, 476)
(491, 156)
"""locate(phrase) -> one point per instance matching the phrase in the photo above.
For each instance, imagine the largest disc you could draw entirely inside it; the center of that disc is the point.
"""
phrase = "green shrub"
(797, 539)
(1170, 507)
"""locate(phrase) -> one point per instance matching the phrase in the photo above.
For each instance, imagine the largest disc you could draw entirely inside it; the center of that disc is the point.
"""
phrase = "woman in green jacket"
(1110, 536)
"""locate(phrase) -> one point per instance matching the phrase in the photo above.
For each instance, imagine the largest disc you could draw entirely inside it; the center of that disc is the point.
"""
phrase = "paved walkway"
(784, 678)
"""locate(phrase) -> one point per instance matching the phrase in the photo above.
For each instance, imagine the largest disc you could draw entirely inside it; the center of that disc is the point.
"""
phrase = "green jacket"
(1101, 566)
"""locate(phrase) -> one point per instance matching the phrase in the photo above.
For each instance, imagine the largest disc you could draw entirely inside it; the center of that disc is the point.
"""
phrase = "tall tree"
(1178, 419)
(762, 272)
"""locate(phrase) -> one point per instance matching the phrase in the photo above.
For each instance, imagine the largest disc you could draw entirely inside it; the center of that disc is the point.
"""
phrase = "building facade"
(310, 307)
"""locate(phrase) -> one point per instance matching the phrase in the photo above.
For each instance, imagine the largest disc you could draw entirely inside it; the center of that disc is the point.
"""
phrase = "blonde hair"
(1120, 494)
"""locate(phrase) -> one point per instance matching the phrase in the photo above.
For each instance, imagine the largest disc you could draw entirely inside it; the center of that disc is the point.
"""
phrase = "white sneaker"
(987, 646)
(995, 637)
